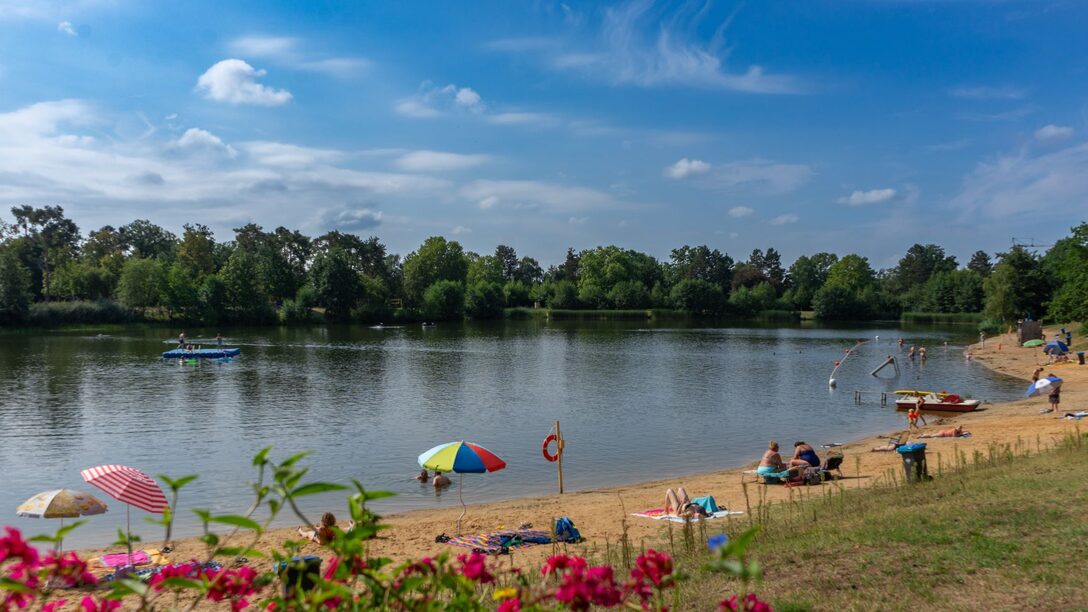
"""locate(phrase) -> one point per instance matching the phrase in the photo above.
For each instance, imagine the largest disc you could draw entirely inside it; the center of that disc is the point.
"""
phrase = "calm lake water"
(637, 401)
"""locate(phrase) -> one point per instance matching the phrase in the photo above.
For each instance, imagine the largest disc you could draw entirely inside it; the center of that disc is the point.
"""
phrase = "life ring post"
(560, 444)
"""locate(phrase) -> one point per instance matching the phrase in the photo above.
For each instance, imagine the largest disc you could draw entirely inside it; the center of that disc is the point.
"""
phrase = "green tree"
(444, 300)
(436, 260)
(246, 297)
(564, 295)
(142, 283)
(835, 301)
(516, 294)
(336, 283)
(50, 240)
(697, 295)
(507, 259)
(750, 301)
(484, 300)
(196, 251)
(1067, 263)
(1017, 287)
(213, 300)
(852, 272)
(628, 295)
(484, 269)
(84, 281)
(701, 263)
(15, 292)
(980, 263)
(182, 295)
(601, 268)
(144, 239)
(918, 265)
(807, 275)
(529, 271)
(591, 295)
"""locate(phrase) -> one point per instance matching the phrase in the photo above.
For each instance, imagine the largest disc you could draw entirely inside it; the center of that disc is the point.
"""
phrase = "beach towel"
(499, 540)
(659, 514)
(139, 557)
(707, 503)
(146, 573)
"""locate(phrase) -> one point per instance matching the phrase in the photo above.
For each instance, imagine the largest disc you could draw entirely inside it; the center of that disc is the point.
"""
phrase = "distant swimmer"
(440, 480)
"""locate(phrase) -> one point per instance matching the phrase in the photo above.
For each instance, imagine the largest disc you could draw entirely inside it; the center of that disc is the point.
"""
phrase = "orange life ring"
(544, 448)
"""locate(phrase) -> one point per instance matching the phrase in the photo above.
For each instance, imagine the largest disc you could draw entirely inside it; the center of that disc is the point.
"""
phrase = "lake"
(638, 400)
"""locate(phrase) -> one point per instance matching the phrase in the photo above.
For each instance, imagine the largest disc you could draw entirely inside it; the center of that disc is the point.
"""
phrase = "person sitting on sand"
(771, 464)
(440, 480)
(804, 455)
(323, 532)
(956, 432)
(679, 504)
(423, 475)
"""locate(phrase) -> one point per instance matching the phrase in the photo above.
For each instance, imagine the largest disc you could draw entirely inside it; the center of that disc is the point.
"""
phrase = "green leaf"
(7, 584)
(238, 551)
(293, 459)
(130, 586)
(176, 485)
(378, 494)
(237, 521)
(204, 515)
(183, 583)
(261, 457)
(210, 539)
(313, 488)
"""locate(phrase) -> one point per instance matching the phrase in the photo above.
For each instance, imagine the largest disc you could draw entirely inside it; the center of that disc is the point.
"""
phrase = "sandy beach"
(601, 514)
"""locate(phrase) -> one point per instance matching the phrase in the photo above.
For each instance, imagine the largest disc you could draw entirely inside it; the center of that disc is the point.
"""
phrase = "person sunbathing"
(678, 503)
(956, 432)
(772, 466)
(322, 533)
(804, 455)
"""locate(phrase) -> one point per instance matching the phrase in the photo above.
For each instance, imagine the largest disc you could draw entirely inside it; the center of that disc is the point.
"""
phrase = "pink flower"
(234, 585)
(474, 568)
(105, 605)
(657, 566)
(561, 562)
(22, 565)
(581, 587)
(69, 569)
(510, 605)
(750, 603)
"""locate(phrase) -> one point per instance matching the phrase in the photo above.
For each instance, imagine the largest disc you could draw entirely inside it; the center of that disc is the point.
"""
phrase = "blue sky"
(847, 125)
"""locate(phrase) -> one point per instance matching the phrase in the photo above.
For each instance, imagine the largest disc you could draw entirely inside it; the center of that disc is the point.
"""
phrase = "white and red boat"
(933, 401)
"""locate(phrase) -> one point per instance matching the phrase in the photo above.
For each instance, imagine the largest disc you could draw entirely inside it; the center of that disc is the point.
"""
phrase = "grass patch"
(999, 530)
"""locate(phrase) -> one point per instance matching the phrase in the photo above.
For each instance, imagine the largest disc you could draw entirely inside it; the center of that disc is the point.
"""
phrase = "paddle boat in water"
(933, 401)
(216, 353)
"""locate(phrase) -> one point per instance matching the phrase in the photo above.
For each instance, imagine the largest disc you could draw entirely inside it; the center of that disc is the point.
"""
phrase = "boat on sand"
(935, 401)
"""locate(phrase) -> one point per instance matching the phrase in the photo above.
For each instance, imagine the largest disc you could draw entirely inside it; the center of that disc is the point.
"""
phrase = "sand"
(601, 514)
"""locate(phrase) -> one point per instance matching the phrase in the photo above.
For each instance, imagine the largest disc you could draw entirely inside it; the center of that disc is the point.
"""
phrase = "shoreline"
(603, 515)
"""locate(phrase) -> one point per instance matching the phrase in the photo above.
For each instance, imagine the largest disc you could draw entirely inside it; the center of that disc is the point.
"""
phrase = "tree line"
(282, 275)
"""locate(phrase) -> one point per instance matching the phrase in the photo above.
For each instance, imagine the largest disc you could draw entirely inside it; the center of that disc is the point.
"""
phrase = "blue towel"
(707, 503)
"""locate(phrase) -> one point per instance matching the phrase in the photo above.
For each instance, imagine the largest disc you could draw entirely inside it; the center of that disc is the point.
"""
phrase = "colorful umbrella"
(62, 504)
(1044, 386)
(461, 458)
(1055, 347)
(128, 485)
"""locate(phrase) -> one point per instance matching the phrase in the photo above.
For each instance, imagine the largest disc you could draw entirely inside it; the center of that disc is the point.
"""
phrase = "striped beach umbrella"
(131, 486)
(461, 458)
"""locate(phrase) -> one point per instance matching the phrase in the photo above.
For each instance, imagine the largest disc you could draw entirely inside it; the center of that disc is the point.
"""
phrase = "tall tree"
(14, 287)
(51, 239)
(1017, 287)
(700, 263)
(980, 262)
(508, 261)
(920, 263)
(145, 239)
(336, 283)
(807, 275)
(436, 260)
(196, 251)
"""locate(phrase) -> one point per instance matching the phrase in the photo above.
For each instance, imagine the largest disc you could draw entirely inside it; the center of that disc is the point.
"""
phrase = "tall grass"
(52, 314)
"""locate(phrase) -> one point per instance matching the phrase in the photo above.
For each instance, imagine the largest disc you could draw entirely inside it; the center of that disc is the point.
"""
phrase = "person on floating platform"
(181, 339)
(219, 341)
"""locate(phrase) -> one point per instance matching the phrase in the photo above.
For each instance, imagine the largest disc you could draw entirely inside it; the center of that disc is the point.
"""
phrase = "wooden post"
(559, 445)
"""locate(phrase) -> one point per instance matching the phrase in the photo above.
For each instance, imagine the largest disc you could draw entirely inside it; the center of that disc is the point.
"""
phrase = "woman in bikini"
(322, 533)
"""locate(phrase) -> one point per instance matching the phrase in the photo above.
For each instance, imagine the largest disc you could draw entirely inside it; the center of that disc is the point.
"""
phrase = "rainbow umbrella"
(461, 458)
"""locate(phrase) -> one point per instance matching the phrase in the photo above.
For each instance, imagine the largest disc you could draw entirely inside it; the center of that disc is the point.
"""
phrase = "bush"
(626, 295)
(516, 294)
(592, 296)
(296, 313)
(698, 296)
(564, 295)
(444, 301)
(484, 300)
(80, 312)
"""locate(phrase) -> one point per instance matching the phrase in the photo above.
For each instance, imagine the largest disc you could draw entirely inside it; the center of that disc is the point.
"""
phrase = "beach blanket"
(139, 557)
(659, 514)
(497, 541)
(146, 573)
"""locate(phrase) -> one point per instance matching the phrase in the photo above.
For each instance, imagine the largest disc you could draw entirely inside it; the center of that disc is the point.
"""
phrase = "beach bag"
(565, 531)
(812, 476)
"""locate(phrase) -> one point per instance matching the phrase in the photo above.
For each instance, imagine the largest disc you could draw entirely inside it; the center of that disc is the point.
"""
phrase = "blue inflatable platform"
(201, 353)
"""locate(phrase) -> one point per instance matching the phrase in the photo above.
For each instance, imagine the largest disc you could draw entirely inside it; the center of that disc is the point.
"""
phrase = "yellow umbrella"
(62, 504)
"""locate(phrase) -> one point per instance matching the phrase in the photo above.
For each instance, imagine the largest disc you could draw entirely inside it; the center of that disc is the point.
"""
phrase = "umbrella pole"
(128, 532)
(60, 542)
(464, 509)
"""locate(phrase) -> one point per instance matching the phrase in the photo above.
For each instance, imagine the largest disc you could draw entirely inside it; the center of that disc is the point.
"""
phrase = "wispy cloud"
(873, 196)
(287, 51)
(1025, 185)
(65, 27)
(758, 175)
(784, 219)
(687, 167)
(540, 195)
(739, 212)
(643, 45)
(438, 161)
(1009, 115)
(203, 141)
(952, 145)
(1053, 133)
(982, 92)
(234, 81)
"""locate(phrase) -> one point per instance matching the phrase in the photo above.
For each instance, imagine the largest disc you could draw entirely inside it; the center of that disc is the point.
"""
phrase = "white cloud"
(65, 27)
(1052, 133)
(739, 212)
(643, 45)
(952, 145)
(873, 196)
(350, 219)
(577, 220)
(45, 119)
(758, 175)
(488, 202)
(1024, 185)
(286, 51)
(977, 92)
(687, 167)
(1009, 115)
(784, 219)
(234, 81)
(196, 139)
(289, 155)
(520, 118)
(434, 101)
(438, 161)
(460, 230)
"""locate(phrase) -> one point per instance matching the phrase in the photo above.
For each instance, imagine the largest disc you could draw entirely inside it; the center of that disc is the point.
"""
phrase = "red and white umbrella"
(130, 486)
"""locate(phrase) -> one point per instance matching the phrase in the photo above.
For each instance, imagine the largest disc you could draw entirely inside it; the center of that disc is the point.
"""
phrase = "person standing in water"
(219, 341)
(181, 339)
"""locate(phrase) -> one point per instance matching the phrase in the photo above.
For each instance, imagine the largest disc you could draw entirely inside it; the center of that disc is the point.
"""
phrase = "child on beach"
(914, 414)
